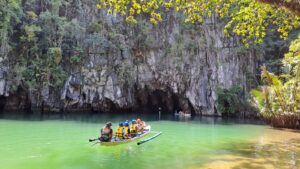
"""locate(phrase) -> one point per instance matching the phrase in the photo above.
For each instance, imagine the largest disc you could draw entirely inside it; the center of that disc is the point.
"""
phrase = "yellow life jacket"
(119, 132)
(133, 129)
(126, 131)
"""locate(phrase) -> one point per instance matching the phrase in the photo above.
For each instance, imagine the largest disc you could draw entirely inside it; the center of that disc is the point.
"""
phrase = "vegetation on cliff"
(246, 18)
(39, 38)
(279, 98)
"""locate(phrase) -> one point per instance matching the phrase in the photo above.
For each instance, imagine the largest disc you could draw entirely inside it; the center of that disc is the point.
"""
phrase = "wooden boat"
(182, 115)
(117, 142)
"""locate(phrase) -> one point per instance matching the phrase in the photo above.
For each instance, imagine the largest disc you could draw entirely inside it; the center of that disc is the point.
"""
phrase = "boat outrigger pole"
(148, 139)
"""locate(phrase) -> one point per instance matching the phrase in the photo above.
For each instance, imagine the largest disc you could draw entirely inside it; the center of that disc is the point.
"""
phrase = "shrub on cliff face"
(10, 12)
(279, 98)
(229, 100)
(37, 47)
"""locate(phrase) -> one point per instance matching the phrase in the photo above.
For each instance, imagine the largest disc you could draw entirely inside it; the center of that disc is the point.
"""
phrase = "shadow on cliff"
(2, 104)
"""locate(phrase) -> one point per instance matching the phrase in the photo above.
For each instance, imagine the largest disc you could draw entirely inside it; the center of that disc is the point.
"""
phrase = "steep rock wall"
(173, 65)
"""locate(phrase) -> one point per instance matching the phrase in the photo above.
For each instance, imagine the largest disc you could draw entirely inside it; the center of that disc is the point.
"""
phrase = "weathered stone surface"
(192, 77)
(3, 75)
(180, 68)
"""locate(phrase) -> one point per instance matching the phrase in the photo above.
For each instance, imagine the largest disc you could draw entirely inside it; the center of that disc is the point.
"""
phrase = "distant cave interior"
(15, 103)
(2, 103)
(150, 101)
(146, 101)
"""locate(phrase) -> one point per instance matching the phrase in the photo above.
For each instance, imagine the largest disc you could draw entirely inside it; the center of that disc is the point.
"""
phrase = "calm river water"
(185, 143)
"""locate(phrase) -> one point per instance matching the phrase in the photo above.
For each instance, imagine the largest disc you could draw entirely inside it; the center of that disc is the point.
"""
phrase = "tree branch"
(292, 5)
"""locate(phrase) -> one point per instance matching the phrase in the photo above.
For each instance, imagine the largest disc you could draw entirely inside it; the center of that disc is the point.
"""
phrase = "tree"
(279, 98)
(9, 16)
(247, 18)
(229, 100)
(37, 51)
(293, 5)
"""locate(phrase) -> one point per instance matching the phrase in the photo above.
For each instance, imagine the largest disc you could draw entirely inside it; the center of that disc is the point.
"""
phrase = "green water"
(63, 144)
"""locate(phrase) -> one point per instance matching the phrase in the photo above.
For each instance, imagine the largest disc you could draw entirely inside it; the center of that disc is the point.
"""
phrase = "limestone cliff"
(141, 67)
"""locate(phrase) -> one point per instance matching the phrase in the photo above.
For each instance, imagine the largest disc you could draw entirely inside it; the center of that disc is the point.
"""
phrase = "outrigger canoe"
(117, 142)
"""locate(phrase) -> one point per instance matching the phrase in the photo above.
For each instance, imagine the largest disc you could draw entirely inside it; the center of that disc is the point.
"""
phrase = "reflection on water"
(272, 149)
(102, 118)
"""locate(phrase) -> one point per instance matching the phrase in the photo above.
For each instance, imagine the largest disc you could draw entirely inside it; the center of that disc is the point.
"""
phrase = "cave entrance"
(2, 104)
(165, 101)
(150, 101)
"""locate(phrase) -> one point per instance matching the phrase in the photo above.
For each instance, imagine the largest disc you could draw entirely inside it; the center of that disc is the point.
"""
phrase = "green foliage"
(260, 98)
(94, 27)
(229, 100)
(280, 94)
(10, 11)
(9, 15)
(77, 57)
(247, 18)
(54, 55)
(125, 75)
(72, 29)
(32, 15)
(55, 6)
(178, 47)
(142, 37)
(39, 53)
(53, 28)
(30, 33)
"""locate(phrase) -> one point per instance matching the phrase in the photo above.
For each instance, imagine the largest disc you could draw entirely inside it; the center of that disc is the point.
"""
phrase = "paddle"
(148, 139)
(96, 143)
(91, 140)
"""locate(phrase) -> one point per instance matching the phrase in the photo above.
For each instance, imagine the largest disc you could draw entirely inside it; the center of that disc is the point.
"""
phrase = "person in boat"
(126, 134)
(120, 132)
(181, 113)
(106, 133)
(133, 128)
(140, 125)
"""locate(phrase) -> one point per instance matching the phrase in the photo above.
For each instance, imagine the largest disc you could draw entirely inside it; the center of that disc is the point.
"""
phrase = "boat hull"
(182, 115)
(113, 143)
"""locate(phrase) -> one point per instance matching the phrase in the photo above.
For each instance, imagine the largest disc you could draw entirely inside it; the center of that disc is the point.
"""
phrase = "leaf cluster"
(280, 94)
(229, 100)
(246, 18)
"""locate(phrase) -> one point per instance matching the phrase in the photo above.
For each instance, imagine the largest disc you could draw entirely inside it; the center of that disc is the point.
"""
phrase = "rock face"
(173, 65)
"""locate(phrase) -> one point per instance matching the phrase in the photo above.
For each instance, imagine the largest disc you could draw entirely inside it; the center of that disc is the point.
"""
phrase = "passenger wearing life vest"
(106, 133)
(140, 125)
(120, 132)
(126, 134)
(133, 128)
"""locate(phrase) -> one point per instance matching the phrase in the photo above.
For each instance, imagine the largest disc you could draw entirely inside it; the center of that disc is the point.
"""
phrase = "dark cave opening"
(149, 101)
(2, 104)
(161, 100)
(107, 106)
(145, 101)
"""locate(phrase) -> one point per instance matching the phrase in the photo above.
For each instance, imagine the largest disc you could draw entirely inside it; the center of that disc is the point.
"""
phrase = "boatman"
(106, 133)
(140, 125)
